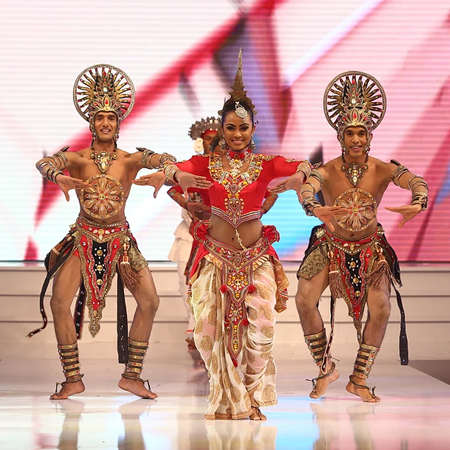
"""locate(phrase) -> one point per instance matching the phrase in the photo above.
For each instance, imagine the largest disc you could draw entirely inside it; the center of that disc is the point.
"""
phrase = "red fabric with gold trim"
(237, 200)
(237, 277)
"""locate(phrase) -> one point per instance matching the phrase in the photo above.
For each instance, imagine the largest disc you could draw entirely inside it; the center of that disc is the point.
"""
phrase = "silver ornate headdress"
(239, 94)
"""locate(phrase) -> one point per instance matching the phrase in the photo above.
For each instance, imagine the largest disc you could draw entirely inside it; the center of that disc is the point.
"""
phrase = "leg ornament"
(364, 361)
(136, 355)
(68, 354)
(363, 365)
(319, 349)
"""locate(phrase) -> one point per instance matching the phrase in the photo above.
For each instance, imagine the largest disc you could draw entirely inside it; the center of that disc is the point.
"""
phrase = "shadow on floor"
(439, 369)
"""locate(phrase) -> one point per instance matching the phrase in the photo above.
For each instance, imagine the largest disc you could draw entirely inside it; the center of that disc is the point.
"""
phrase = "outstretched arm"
(405, 179)
(175, 173)
(295, 180)
(311, 205)
(51, 168)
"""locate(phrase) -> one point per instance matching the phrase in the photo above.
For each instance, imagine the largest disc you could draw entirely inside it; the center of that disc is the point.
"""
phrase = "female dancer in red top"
(236, 280)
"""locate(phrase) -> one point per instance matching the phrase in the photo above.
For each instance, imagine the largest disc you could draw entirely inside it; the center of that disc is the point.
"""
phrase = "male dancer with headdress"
(100, 243)
(349, 251)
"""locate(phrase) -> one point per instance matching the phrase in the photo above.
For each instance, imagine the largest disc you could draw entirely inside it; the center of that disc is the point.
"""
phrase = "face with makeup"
(356, 141)
(237, 132)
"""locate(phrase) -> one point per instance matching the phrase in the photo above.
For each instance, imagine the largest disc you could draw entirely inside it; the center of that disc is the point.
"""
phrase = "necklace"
(354, 171)
(103, 160)
(237, 161)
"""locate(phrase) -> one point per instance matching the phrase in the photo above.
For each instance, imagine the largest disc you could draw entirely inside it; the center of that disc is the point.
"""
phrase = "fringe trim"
(129, 276)
(381, 274)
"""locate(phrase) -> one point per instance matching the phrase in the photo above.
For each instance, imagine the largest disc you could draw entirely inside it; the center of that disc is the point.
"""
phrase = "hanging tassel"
(235, 363)
(381, 274)
(251, 288)
(129, 276)
(223, 288)
(336, 288)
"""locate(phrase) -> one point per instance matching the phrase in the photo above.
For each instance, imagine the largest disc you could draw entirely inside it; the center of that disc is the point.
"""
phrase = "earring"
(223, 144)
(252, 145)
(94, 137)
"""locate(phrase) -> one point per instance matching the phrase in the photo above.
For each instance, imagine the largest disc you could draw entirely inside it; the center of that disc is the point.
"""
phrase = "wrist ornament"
(420, 198)
(170, 170)
(305, 168)
(309, 204)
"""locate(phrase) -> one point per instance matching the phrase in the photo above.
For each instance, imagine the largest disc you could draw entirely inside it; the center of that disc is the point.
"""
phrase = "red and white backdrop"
(181, 56)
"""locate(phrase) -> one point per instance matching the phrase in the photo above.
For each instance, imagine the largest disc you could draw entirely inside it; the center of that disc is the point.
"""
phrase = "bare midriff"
(222, 231)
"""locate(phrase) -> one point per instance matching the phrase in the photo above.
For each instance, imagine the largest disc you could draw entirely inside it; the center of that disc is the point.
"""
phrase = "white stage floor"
(414, 413)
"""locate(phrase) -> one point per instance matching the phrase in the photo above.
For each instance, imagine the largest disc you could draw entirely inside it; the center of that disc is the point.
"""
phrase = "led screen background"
(181, 56)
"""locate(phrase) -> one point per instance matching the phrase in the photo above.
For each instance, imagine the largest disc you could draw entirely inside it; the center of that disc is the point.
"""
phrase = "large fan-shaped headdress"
(199, 128)
(354, 99)
(103, 87)
(238, 94)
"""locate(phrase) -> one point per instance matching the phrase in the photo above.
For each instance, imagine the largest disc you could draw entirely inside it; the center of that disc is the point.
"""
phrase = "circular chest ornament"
(104, 198)
(362, 208)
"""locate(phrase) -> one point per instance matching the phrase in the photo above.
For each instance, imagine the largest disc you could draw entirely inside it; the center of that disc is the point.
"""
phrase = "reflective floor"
(414, 413)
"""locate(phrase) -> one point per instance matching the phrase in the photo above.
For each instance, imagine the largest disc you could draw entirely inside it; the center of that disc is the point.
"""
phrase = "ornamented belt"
(354, 267)
(99, 248)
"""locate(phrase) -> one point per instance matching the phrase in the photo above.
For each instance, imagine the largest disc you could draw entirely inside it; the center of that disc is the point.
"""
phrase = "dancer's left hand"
(408, 212)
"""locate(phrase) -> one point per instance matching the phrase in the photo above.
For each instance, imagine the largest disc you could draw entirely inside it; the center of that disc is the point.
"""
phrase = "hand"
(294, 182)
(66, 183)
(187, 180)
(155, 179)
(408, 212)
(326, 213)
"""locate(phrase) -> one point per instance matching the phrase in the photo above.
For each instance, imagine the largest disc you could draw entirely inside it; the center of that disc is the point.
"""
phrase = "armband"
(147, 157)
(398, 172)
(319, 177)
(53, 166)
(166, 158)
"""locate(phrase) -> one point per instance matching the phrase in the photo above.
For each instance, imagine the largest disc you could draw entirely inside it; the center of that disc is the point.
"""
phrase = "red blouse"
(237, 200)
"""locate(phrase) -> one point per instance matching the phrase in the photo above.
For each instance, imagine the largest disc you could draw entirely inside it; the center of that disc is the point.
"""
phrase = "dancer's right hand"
(327, 213)
(66, 183)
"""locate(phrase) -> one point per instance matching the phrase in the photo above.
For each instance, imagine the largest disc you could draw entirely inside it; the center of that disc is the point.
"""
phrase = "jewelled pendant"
(103, 160)
(354, 172)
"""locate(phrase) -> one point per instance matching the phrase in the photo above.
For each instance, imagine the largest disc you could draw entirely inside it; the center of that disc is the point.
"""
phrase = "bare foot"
(257, 414)
(358, 387)
(321, 383)
(190, 343)
(67, 390)
(136, 387)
